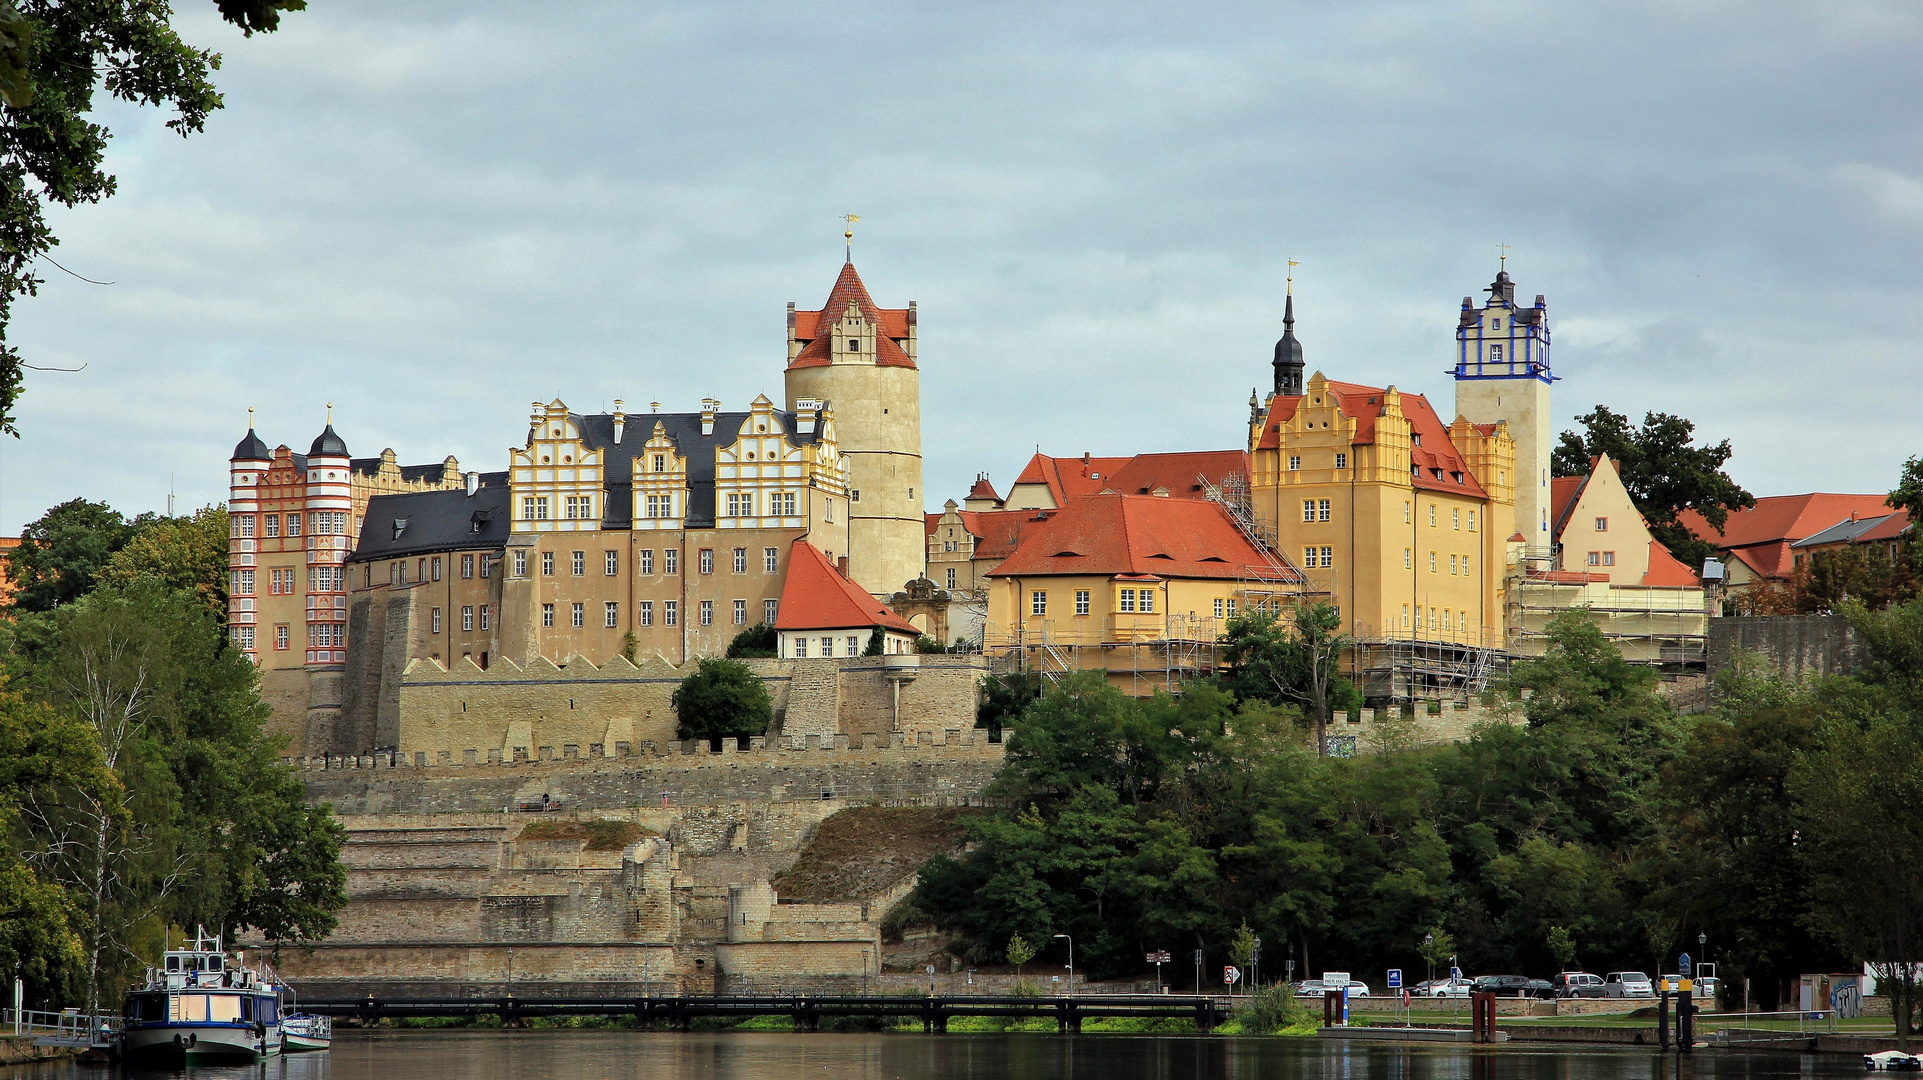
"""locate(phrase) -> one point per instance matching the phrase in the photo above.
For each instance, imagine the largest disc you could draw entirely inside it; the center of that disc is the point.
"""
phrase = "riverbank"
(19, 1049)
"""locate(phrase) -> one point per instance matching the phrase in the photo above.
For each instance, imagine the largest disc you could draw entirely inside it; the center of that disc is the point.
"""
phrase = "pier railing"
(68, 1027)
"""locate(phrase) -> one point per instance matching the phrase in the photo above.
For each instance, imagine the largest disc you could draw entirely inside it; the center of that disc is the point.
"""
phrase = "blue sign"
(1455, 974)
(1395, 978)
(1682, 965)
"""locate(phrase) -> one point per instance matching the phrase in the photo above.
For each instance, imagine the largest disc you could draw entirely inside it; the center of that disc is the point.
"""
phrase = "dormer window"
(1495, 323)
(854, 344)
(660, 463)
(1418, 438)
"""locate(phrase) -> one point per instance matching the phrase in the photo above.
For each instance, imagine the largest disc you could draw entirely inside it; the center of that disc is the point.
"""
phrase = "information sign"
(1395, 978)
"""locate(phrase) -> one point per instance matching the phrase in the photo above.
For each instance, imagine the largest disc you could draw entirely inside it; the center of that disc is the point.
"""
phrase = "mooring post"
(1662, 1020)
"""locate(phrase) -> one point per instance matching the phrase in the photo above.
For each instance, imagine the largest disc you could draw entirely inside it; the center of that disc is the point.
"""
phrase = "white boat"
(202, 1005)
(304, 1031)
(1893, 1060)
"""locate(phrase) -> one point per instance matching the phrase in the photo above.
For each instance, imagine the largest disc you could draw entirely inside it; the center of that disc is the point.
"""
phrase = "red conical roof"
(849, 290)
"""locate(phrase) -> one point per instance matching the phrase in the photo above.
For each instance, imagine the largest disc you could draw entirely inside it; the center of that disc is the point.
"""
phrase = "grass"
(599, 835)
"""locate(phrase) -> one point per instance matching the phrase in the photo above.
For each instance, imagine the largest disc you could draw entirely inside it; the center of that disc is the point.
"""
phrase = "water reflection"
(619, 1055)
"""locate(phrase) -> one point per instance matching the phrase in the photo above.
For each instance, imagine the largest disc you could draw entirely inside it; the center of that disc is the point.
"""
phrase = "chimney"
(841, 565)
(709, 406)
(805, 409)
(620, 420)
(473, 483)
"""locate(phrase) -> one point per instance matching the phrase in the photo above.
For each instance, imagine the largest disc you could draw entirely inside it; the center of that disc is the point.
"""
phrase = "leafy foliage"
(55, 56)
(722, 699)
(60, 554)
(1664, 471)
(184, 554)
(759, 640)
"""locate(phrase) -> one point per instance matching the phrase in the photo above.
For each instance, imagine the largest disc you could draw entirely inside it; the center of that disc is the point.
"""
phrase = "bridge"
(807, 1011)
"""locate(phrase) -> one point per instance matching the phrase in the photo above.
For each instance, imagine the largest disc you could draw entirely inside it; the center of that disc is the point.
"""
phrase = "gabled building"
(1758, 543)
(824, 614)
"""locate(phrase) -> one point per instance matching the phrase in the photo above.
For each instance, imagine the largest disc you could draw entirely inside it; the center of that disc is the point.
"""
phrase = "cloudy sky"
(432, 214)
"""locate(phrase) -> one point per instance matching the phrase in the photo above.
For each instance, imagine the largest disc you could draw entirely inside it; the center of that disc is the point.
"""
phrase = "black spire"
(328, 444)
(1288, 355)
(252, 449)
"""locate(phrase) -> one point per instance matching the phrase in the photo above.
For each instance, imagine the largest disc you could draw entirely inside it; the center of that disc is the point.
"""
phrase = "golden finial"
(1289, 287)
(330, 414)
(250, 418)
(1502, 256)
(849, 234)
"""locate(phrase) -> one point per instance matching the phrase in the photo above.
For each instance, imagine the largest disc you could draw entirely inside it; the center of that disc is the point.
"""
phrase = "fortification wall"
(1793, 646)
(1427, 723)
(519, 709)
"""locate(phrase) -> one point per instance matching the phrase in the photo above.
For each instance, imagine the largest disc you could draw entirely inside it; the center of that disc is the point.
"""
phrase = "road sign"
(1335, 980)
(1455, 974)
(1231, 975)
(1682, 965)
(1160, 957)
(1395, 978)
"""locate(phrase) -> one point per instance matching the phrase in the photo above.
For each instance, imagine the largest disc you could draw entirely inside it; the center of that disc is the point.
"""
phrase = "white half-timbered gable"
(556, 478)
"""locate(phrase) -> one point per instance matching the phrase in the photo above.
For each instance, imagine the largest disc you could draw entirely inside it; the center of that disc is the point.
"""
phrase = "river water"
(632, 1055)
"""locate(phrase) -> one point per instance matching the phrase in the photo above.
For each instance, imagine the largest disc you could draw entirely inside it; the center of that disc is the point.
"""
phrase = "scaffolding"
(1409, 668)
(1266, 584)
(1665, 628)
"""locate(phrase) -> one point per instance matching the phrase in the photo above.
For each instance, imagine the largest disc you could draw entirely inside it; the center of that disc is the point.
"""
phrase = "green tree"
(60, 554)
(1004, 697)
(722, 699)
(1319, 627)
(55, 57)
(1908, 493)
(1563, 947)
(183, 554)
(1664, 470)
(1019, 952)
(877, 643)
(756, 641)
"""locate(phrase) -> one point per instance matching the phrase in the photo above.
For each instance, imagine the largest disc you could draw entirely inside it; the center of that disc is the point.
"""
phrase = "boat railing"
(69, 1027)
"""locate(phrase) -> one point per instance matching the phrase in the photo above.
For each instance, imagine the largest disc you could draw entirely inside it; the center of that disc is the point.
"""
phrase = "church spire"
(1288, 354)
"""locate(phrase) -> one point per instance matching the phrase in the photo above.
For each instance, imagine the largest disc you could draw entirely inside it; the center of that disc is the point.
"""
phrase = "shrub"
(755, 641)
(722, 699)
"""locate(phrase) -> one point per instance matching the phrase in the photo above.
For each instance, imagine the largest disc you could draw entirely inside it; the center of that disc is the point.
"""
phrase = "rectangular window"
(467, 617)
(487, 564)
(741, 613)
(434, 618)
(485, 613)
(1452, 566)
(1602, 524)
(578, 563)
(1408, 559)
(272, 524)
(734, 504)
(801, 648)
(787, 507)
(547, 564)
(671, 561)
(1595, 558)
(1126, 601)
(611, 562)
(707, 560)
(1081, 600)
(244, 637)
(1295, 462)
(1455, 518)
(854, 646)
(1231, 607)
(1308, 509)
(828, 509)
(1495, 352)
(828, 646)
(1038, 603)
(247, 525)
(647, 562)
(707, 612)
(740, 560)
(1341, 461)
(436, 562)
(1407, 514)
(280, 637)
(1609, 558)
(246, 583)
(1432, 562)
(1148, 599)
(769, 608)
(541, 508)
(611, 613)
(647, 613)
(951, 579)
(770, 560)
(547, 614)
(1322, 510)
(1405, 616)
(1328, 556)
(1432, 515)
(1218, 607)
(293, 524)
(467, 566)
(520, 564)
(1472, 521)
(578, 615)
(660, 463)
(1465, 564)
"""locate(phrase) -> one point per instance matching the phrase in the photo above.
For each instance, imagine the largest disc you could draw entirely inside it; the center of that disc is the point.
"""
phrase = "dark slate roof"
(371, 466)
(328, 444)
(251, 448)
(684, 430)
(1843, 532)
(419, 522)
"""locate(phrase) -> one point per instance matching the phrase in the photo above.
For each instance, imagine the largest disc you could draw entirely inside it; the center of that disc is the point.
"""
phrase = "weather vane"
(849, 234)
(1289, 287)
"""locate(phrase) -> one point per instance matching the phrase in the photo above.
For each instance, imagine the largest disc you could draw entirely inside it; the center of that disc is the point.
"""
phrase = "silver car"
(1621, 984)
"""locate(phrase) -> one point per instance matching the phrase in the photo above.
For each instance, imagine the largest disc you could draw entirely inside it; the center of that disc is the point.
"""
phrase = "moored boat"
(302, 1032)
(202, 1005)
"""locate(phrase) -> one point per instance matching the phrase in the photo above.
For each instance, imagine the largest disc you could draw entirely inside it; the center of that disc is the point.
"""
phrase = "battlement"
(952, 744)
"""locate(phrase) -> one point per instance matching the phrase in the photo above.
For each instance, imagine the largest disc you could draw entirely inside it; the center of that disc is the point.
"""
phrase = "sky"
(433, 214)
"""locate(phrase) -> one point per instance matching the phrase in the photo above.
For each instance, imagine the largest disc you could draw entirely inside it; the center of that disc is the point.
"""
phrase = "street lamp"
(1071, 962)
(1429, 954)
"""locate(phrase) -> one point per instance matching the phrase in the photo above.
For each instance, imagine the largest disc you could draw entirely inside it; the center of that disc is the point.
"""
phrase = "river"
(630, 1055)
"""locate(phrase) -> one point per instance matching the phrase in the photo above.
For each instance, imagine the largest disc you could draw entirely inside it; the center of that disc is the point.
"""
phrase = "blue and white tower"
(1502, 374)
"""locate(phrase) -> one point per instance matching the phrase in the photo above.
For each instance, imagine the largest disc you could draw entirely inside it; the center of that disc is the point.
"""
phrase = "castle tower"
(329, 501)
(245, 471)
(860, 359)
(1502, 374)
(1288, 355)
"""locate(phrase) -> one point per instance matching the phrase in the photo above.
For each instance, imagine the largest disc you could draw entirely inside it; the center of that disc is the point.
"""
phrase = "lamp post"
(1429, 954)
(1071, 962)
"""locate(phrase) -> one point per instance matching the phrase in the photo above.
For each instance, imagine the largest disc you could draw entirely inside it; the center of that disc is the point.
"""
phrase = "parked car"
(1619, 984)
(1709, 987)
(1358, 988)
(1512, 986)
(1578, 984)
(1443, 988)
(1310, 988)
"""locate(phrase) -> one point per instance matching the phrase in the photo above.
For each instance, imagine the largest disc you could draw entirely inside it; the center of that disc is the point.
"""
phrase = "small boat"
(304, 1031)
(202, 1005)
(1892, 1060)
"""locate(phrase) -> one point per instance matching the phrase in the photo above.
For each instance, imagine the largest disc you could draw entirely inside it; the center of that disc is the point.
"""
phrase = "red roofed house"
(1757, 543)
(1137, 585)
(1605, 560)
(823, 614)
(1048, 483)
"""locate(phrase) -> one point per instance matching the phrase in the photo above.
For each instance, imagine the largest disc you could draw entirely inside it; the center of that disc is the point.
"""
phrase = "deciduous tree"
(1664, 470)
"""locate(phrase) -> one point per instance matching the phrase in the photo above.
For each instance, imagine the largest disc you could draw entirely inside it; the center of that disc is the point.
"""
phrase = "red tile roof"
(970, 520)
(1888, 529)
(1761, 535)
(1563, 493)
(817, 597)
(983, 490)
(1068, 478)
(1136, 534)
(1180, 473)
(1002, 530)
(1665, 571)
(1363, 404)
(891, 324)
